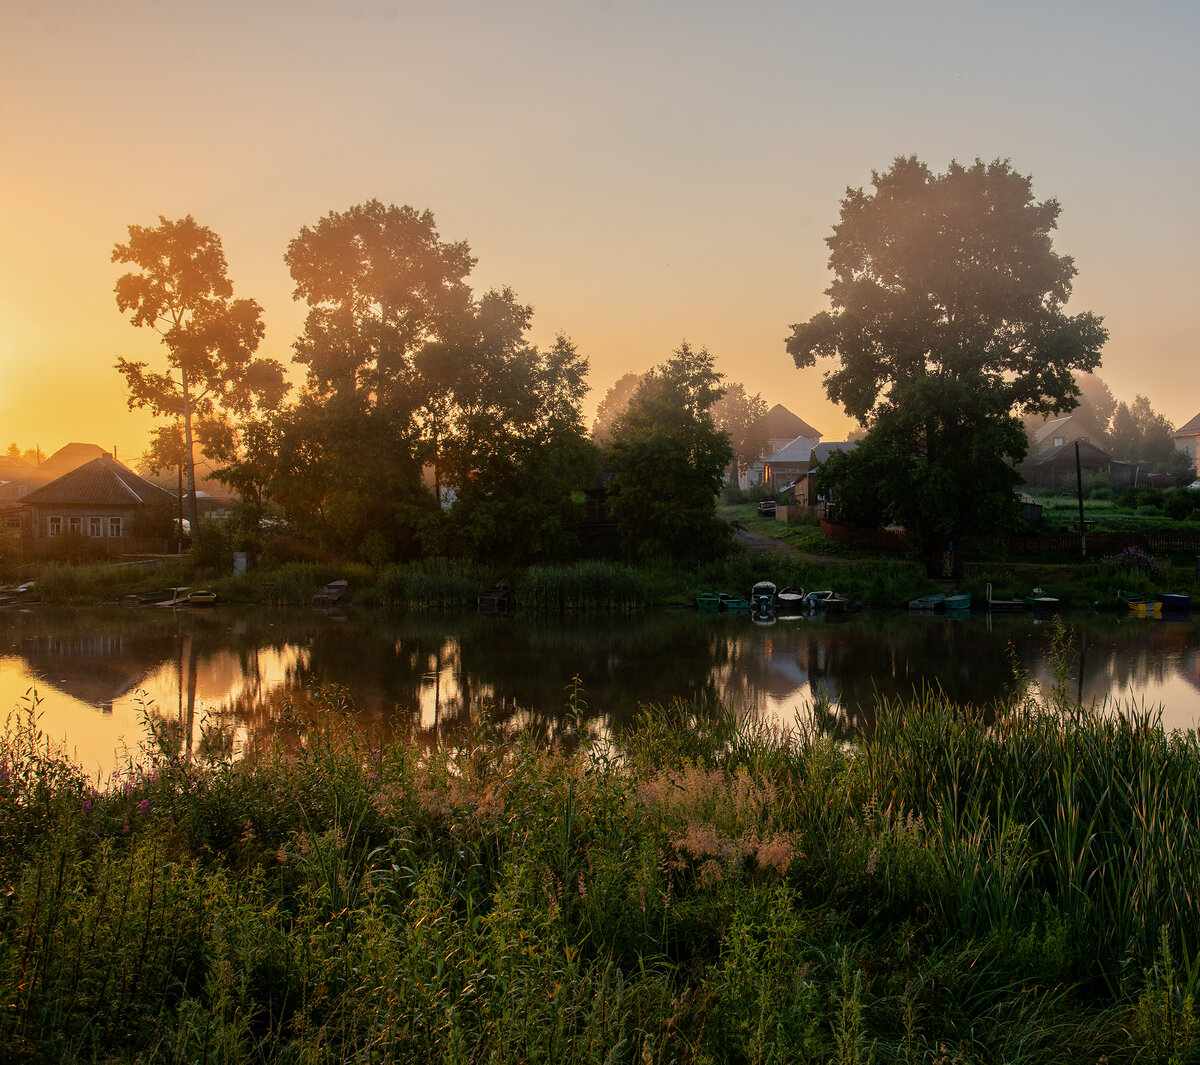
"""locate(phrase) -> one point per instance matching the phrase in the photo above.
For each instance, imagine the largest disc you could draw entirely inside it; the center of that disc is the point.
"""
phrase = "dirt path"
(758, 544)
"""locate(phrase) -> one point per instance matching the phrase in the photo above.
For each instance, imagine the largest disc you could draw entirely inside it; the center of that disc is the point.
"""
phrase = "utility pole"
(1079, 487)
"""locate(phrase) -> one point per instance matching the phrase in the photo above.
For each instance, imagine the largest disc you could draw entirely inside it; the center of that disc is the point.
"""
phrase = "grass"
(1014, 882)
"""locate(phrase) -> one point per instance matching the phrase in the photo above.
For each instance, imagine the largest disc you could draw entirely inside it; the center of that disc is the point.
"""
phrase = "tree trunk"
(189, 458)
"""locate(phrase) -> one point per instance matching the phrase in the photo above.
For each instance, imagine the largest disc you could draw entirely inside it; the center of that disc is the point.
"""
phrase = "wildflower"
(124, 830)
(87, 806)
(144, 807)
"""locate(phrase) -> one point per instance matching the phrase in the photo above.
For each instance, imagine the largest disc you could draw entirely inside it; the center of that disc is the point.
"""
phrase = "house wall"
(1190, 446)
(43, 517)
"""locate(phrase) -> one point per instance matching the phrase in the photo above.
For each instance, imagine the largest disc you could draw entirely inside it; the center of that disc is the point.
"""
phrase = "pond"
(98, 673)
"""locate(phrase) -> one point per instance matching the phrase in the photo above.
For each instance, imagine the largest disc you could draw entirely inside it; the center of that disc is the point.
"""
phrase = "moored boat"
(733, 604)
(1176, 601)
(1038, 600)
(708, 602)
(201, 598)
(762, 598)
(331, 593)
(927, 604)
(789, 602)
(958, 602)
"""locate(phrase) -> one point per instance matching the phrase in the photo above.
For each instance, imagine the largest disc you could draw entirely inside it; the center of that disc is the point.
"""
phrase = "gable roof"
(822, 451)
(71, 457)
(1191, 428)
(103, 482)
(798, 450)
(782, 424)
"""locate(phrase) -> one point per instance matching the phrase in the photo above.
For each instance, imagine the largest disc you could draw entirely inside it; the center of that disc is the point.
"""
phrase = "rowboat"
(927, 604)
(733, 604)
(1038, 600)
(789, 602)
(331, 593)
(708, 602)
(201, 598)
(1176, 601)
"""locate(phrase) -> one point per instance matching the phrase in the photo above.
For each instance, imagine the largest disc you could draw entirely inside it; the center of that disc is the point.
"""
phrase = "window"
(114, 526)
(75, 525)
(54, 526)
(1059, 441)
(95, 526)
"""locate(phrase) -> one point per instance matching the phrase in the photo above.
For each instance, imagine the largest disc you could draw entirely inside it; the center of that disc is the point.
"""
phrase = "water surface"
(99, 672)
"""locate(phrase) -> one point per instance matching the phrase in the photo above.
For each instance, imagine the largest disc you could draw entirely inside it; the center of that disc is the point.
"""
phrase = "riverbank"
(998, 883)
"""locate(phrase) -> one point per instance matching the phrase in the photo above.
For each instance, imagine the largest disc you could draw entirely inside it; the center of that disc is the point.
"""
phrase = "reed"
(584, 587)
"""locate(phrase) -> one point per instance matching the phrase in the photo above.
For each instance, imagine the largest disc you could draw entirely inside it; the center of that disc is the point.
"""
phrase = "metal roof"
(103, 482)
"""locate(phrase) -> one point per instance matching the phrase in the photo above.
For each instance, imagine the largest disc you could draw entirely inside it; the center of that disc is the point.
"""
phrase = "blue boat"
(1175, 601)
(733, 604)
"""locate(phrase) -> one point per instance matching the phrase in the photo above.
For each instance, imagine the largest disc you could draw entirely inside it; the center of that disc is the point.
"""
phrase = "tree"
(613, 405)
(742, 415)
(181, 289)
(668, 460)
(947, 322)
(1142, 436)
(409, 374)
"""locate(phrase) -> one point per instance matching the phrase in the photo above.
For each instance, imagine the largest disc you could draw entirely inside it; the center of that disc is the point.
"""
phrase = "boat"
(498, 599)
(1144, 608)
(1038, 600)
(201, 598)
(22, 593)
(733, 604)
(828, 601)
(762, 598)
(1016, 605)
(958, 602)
(927, 604)
(789, 602)
(708, 602)
(331, 593)
(158, 596)
(1176, 601)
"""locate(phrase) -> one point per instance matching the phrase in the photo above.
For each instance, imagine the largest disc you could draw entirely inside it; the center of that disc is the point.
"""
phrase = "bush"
(1140, 496)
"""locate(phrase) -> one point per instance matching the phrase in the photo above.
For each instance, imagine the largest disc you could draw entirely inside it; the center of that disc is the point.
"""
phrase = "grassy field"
(1011, 883)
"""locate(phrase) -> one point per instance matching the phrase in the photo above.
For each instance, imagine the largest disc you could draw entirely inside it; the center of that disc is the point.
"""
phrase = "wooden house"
(1187, 440)
(106, 503)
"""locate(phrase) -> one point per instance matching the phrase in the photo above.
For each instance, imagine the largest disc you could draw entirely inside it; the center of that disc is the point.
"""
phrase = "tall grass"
(1015, 882)
(591, 587)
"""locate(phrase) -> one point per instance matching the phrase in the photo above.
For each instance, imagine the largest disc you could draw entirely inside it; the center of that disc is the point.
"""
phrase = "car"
(1194, 486)
(767, 508)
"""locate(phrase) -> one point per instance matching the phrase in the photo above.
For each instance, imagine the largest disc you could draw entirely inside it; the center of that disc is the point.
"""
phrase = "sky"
(641, 173)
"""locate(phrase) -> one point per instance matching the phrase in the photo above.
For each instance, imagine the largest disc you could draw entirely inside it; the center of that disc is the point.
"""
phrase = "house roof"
(1191, 428)
(1066, 455)
(102, 482)
(1050, 428)
(782, 424)
(822, 451)
(71, 457)
(798, 450)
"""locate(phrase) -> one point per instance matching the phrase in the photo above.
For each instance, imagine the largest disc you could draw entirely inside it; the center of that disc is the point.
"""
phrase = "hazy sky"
(639, 172)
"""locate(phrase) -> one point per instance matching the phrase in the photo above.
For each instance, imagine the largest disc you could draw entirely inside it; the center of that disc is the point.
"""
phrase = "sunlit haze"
(640, 172)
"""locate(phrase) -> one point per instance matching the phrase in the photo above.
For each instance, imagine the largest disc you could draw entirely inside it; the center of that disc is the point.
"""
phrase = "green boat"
(708, 603)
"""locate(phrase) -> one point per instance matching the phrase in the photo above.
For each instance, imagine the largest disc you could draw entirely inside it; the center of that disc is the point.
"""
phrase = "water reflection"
(250, 670)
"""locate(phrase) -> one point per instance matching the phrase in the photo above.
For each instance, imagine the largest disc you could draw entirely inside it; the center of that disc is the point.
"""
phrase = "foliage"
(668, 460)
(613, 405)
(593, 587)
(180, 288)
(420, 398)
(1142, 436)
(947, 323)
(1006, 883)
(742, 416)
(1132, 560)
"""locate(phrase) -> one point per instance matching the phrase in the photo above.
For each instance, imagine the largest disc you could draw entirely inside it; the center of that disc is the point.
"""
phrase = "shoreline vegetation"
(1017, 882)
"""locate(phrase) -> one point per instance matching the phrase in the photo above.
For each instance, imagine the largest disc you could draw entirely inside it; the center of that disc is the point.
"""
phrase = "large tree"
(668, 460)
(947, 322)
(181, 289)
(743, 417)
(410, 374)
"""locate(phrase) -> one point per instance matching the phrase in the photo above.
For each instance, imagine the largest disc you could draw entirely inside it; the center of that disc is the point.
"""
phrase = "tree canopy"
(947, 323)
(1141, 435)
(411, 379)
(181, 289)
(668, 460)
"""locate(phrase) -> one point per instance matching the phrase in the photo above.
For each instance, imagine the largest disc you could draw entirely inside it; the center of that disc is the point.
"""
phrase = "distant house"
(806, 487)
(103, 501)
(783, 429)
(1187, 440)
(790, 463)
(1056, 467)
(1058, 432)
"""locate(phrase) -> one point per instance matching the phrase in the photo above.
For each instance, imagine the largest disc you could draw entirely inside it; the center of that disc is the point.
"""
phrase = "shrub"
(1132, 560)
